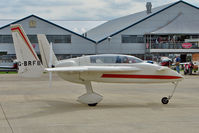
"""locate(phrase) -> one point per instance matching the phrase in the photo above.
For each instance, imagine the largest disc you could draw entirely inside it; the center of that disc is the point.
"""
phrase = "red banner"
(186, 45)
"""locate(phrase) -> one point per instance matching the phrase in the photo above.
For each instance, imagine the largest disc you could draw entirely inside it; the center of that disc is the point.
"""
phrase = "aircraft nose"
(180, 77)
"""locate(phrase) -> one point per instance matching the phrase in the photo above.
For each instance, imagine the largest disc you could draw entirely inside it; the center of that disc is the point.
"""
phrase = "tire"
(165, 100)
(92, 104)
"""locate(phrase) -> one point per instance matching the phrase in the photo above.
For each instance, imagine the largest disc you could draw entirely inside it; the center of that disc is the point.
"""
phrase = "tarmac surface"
(30, 106)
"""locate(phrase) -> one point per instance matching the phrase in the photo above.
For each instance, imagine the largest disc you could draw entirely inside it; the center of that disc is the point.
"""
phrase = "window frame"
(132, 38)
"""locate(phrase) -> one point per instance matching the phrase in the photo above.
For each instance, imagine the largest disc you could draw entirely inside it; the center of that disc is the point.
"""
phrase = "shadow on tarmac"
(59, 107)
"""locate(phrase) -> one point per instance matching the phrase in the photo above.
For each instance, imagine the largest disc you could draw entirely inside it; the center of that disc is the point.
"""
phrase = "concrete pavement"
(29, 106)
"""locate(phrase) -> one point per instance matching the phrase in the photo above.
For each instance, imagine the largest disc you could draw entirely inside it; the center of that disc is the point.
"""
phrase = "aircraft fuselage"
(147, 73)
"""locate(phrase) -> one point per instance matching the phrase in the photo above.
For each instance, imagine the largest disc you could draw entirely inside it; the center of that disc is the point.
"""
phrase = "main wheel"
(92, 104)
(165, 100)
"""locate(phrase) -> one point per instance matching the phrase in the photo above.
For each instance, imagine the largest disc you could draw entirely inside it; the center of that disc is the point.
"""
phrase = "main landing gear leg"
(90, 97)
(165, 100)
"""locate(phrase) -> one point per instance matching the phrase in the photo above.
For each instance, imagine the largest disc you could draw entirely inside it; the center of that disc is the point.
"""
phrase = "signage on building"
(32, 23)
(186, 45)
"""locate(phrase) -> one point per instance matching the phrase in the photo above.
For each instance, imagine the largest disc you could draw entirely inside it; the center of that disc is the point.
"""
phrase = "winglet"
(45, 51)
(28, 61)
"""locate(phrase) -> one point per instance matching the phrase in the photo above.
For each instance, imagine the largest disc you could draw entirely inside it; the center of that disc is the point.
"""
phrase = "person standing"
(190, 66)
(178, 64)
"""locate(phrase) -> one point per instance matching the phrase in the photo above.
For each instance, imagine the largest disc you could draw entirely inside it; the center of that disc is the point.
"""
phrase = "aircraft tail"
(28, 61)
(45, 52)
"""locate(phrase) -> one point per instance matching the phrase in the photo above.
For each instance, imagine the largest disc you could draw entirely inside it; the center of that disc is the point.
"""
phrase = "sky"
(79, 14)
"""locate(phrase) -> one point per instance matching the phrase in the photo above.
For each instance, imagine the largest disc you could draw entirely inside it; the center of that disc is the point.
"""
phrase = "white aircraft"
(108, 68)
(9, 66)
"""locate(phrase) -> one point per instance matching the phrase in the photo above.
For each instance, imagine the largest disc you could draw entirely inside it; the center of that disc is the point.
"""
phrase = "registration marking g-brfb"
(29, 63)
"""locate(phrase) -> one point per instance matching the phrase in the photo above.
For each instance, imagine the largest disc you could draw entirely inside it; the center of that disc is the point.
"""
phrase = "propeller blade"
(50, 79)
(50, 65)
(50, 55)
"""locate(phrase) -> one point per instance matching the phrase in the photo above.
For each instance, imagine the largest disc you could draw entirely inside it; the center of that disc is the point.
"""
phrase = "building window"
(6, 39)
(33, 38)
(132, 39)
(52, 38)
(59, 38)
(140, 39)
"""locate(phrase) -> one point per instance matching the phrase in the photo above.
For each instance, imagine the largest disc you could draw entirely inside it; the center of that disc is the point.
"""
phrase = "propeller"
(50, 65)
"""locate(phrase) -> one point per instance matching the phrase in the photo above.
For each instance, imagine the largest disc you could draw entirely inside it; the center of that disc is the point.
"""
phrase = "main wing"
(92, 69)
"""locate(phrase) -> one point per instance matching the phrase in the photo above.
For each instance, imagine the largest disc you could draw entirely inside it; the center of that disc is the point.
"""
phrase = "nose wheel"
(165, 100)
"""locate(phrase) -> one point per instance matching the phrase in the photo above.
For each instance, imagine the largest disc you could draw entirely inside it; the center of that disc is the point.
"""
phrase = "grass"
(8, 72)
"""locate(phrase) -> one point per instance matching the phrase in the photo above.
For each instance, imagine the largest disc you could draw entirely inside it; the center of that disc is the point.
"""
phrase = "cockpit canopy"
(112, 59)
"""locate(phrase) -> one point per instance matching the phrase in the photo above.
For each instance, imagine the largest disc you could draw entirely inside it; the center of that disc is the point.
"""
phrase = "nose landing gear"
(165, 100)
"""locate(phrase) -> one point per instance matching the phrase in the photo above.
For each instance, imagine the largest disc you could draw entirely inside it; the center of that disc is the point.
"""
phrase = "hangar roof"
(113, 27)
(180, 25)
(49, 23)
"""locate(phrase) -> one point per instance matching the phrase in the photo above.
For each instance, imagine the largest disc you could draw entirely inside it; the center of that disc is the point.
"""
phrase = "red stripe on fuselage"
(139, 76)
(26, 41)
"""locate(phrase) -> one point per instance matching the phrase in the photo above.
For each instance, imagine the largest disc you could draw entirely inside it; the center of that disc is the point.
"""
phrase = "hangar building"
(65, 42)
(162, 31)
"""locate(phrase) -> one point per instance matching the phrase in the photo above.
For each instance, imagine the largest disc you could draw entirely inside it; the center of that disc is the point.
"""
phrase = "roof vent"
(148, 7)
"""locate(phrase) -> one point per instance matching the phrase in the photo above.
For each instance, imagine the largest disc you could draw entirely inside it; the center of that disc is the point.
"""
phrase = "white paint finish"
(96, 70)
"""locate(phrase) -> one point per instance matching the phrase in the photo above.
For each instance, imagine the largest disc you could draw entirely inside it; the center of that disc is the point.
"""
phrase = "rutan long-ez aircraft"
(107, 68)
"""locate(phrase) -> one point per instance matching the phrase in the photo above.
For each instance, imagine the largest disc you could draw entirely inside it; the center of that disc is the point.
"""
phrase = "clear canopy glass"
(112, 59)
